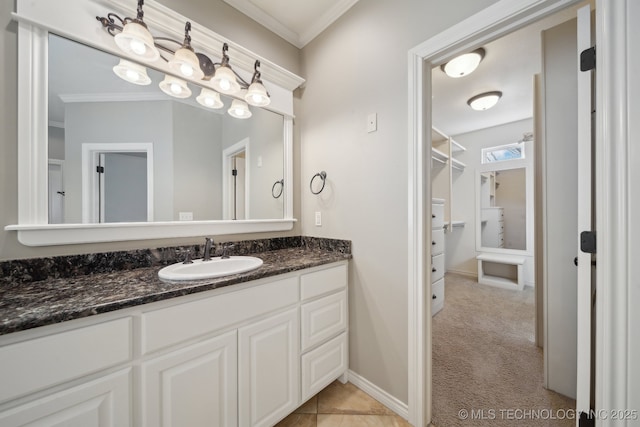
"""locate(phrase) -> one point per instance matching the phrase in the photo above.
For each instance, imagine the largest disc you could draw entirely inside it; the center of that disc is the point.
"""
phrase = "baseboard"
(464, 273)
(400, 408)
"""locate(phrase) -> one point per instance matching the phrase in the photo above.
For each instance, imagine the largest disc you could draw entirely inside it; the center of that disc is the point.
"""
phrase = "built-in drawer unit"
(323, 318)
(164, 327)
(437, 268)
(36, 364)
(437, 241)
(437, 297)
(322, 365)
(437, 215)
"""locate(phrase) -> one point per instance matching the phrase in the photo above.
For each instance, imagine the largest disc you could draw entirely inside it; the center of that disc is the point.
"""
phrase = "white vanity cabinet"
(241, 355)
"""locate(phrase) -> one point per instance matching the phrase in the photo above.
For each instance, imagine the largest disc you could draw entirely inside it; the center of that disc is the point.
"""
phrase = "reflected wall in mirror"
(121, 152)
(503, 209)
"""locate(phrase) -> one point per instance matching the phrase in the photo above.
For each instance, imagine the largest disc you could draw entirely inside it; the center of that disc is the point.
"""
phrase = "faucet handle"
(225, 249)
(187, 258)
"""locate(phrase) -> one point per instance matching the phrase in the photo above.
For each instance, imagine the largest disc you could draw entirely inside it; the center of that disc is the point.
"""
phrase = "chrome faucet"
(208, 244)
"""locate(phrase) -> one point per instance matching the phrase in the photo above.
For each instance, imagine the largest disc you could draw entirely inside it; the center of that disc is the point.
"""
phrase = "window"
(503, 152)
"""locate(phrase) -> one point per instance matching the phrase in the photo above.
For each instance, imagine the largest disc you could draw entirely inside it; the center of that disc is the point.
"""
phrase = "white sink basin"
(215, 267)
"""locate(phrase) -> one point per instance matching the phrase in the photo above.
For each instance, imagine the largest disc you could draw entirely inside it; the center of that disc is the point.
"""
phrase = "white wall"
(56, 143)
(460, 245)
(359, 66)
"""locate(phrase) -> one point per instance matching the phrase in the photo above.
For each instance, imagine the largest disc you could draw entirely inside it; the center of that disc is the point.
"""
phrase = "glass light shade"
(185, 62)
(209, 99)
(464, 64)
(484, 101)
(224, 81)
(175, 87)
(132, 72)
(239, 109)
(136, 40)
(257, 95)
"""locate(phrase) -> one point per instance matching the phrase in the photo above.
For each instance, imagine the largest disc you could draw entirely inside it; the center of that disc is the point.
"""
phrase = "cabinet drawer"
(323, 318)
(437, 215)
(437, 296)
(323, 281)
(171, 325)
(437, 267)
(437, 241)
(323, 365)
(36, 364)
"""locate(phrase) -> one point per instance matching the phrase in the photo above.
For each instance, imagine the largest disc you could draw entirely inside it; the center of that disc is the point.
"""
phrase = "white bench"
(501, 282)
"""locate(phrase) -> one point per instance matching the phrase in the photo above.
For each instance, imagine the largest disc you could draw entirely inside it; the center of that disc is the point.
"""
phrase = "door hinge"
(588, 242)
(100, 169)
(588, 59)
(586, 420)
(234, 172)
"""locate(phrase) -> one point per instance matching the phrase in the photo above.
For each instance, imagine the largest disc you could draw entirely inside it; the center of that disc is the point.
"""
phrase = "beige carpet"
(487, 369)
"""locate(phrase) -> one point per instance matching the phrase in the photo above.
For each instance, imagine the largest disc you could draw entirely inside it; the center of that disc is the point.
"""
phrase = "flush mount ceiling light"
(484, 101)
(464, 64)
(132, 36)
(132, 72)
(209, 99)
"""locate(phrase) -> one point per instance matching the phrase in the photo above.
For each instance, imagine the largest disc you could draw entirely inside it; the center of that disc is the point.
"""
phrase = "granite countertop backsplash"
(44, 291)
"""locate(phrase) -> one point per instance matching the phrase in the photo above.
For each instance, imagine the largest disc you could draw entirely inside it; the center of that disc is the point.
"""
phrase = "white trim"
(490, 23)
(56, 124)
(612, 208)
(227, 153)
(68, 98)
(378, 394)
(90, 184)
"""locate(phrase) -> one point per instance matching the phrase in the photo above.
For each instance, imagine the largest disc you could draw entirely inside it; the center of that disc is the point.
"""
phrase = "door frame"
(499, 19)
(227, 165)
(91, 185)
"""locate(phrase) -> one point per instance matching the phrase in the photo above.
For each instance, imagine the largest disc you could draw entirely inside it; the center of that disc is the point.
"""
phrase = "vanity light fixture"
(133, 37)
(484, 101)
(239, 109)
(210, 99)
(175, 87)
(132, 72)
(463, 65)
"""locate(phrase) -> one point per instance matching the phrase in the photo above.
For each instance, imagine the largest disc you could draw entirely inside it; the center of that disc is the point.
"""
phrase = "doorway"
(490, 24)
(235, 181)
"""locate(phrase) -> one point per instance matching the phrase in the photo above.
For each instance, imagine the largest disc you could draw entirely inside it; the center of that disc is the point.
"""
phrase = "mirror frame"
(36, 18)
(527, 165)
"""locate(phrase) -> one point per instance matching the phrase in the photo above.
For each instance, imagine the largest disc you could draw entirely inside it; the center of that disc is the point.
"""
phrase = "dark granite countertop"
(39, 303)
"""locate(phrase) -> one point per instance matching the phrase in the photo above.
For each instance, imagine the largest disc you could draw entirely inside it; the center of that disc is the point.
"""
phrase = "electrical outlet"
(185, 216)
(318, 219)
(372, 122)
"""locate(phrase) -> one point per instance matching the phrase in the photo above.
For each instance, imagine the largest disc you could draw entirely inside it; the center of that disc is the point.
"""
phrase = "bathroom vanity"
(242, 350)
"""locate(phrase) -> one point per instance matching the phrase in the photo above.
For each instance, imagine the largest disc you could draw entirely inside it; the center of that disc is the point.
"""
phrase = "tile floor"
(343, 405)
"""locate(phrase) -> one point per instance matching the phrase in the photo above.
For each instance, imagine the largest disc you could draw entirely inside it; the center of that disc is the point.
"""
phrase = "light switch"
(372, 122)
(319, 219)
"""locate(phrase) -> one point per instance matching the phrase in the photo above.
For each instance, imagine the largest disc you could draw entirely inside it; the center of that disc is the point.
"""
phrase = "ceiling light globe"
(484, 101)
(239, 109)
(175, 87)
(224, 81)
(132, 72)
(136, 40)
(464, 64)
(257, 95)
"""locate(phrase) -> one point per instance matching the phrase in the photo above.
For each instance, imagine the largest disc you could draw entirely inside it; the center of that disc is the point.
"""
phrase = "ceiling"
(509, 65)
(298, 22)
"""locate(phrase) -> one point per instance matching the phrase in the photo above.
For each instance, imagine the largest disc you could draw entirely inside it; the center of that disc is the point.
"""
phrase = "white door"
(195, 386)
(123, 187)
(269, 369)
(56, 192)
(585, 219)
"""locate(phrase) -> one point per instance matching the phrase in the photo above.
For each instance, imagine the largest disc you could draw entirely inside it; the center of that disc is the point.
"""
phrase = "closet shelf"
(456, 224)
(439, 155)
(456, 147)
(457, 164)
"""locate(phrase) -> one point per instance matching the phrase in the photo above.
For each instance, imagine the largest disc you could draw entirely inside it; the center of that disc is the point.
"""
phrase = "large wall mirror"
(101, 159)
(504, 207)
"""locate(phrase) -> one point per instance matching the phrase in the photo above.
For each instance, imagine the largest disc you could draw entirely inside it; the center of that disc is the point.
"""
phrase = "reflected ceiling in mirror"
(124, 152)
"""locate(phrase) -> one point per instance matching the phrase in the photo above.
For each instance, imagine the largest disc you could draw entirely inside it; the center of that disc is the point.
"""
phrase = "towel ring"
(273, 193)
(323, 176)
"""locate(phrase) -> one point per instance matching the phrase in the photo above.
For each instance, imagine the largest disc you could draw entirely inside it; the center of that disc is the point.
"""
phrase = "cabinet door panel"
(104, 402)
(323, 318)
(195, 386)
(269, 371)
